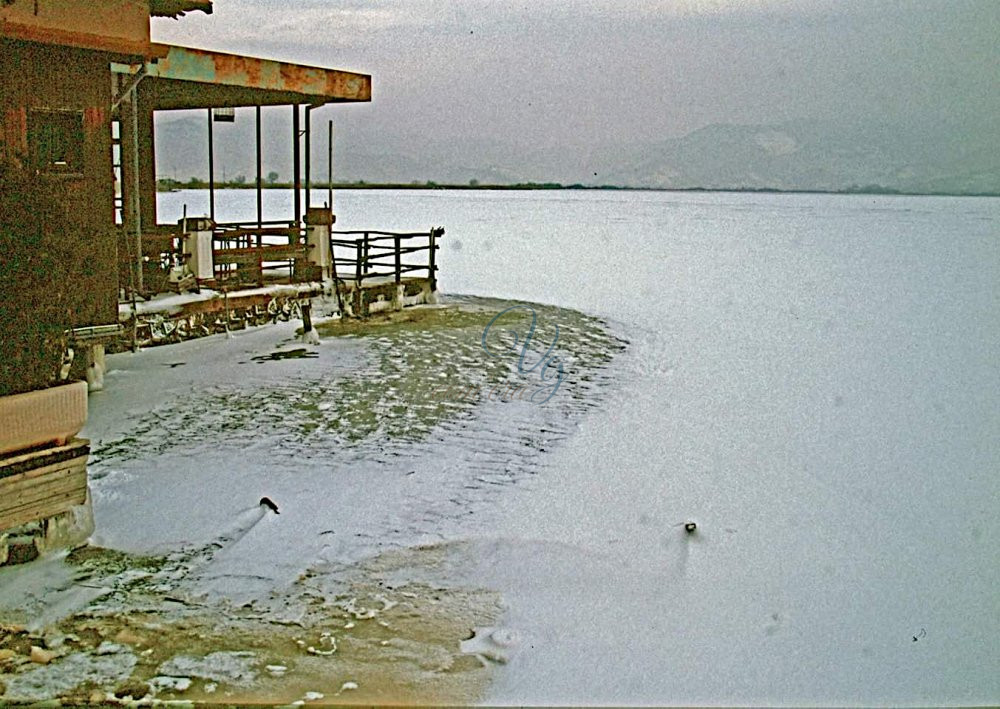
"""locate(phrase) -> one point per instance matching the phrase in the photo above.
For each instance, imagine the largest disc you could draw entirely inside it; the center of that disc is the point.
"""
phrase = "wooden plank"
(224, 234)
(9, 494)
(74, 485)
(47, 487)
(44, 490)
(12, 481)
(269, 249)
(13, 486)
(404, 234)
(44, 500)
(77, 446)
(48, 508)
(265, 253)
(390, 253)
(79, 461)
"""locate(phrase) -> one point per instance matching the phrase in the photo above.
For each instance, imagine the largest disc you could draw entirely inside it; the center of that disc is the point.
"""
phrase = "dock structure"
(86, 261)
(182, 78)
(243, 280)
(77, 111)
(231, 271)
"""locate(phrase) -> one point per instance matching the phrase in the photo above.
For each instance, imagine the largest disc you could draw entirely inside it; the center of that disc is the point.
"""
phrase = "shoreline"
(528, 187)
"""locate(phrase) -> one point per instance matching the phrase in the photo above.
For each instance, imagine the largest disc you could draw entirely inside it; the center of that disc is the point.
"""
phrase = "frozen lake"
(814, 380)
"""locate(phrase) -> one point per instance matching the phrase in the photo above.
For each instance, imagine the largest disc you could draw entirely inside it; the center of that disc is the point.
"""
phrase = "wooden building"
(79, 84)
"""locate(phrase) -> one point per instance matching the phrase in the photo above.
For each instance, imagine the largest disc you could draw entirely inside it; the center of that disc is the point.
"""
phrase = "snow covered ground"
(812, 379)
(374, 450)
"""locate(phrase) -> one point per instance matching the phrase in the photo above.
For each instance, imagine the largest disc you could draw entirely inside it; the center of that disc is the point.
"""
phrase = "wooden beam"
(42, 492)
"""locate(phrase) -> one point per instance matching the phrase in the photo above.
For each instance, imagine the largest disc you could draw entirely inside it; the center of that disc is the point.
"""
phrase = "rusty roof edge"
(316, 84)
(160, 49)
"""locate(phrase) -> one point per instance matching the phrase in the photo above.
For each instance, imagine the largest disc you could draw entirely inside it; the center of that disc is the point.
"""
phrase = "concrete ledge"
(42, 417)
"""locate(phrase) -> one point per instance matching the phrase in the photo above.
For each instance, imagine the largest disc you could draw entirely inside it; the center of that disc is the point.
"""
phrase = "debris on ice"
(172, 684)
(231, 667)
(494, 644)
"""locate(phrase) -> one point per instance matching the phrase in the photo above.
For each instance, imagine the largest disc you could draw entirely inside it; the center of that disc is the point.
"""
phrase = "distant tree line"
(274, 181)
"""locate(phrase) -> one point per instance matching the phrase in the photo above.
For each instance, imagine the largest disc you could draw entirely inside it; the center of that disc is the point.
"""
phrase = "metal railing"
(380, 254)
(244, 253)
(277, 251)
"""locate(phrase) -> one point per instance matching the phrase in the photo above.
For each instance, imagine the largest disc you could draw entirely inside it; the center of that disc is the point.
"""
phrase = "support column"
(296, 166)
(147, 161)
(318, 221)
(131, 183)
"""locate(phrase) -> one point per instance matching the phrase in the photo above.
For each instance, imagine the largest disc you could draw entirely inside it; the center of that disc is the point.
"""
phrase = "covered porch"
(155, 257)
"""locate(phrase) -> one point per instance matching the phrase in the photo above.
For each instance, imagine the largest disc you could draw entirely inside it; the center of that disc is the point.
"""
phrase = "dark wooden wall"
(69, 217)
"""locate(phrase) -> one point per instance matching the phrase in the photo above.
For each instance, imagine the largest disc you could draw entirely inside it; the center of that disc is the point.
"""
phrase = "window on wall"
(55, 139)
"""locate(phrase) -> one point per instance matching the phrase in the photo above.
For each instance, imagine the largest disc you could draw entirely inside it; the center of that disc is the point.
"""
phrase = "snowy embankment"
(376, 454)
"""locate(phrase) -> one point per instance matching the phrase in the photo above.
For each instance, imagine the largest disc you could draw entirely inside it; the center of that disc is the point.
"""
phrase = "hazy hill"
(795, 155)
(814, 155)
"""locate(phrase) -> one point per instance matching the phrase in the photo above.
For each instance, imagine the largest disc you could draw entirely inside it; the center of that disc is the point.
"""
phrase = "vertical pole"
(296, 167)
(307, 323)
(336, 279)
(211, 169)
(329, 166)
(308, 152)
(147, 161)
(358, 258)
(131, 181)
(366, 252)
(260, 195)
(431, 268)
(398, 264)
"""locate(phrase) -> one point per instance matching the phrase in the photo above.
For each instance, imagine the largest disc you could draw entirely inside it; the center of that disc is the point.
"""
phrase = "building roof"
(183, 77)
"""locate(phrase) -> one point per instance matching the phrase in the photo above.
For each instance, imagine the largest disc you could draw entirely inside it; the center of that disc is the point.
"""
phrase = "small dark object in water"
(269, 504)
(690, 527)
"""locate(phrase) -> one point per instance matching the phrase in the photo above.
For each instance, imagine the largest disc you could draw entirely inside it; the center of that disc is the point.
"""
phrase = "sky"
(571, 74)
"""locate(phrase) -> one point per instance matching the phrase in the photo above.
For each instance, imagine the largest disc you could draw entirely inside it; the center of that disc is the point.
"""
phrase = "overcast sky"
(571, 73)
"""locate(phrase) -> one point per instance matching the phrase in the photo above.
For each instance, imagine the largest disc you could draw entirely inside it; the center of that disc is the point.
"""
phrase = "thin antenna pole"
(329, 166)
(308, 156)
(211, 169)
(260, 197)
(296, 166)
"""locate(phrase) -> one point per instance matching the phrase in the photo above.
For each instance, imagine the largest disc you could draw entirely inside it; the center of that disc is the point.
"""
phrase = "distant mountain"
(799, 155)
(820, 156)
